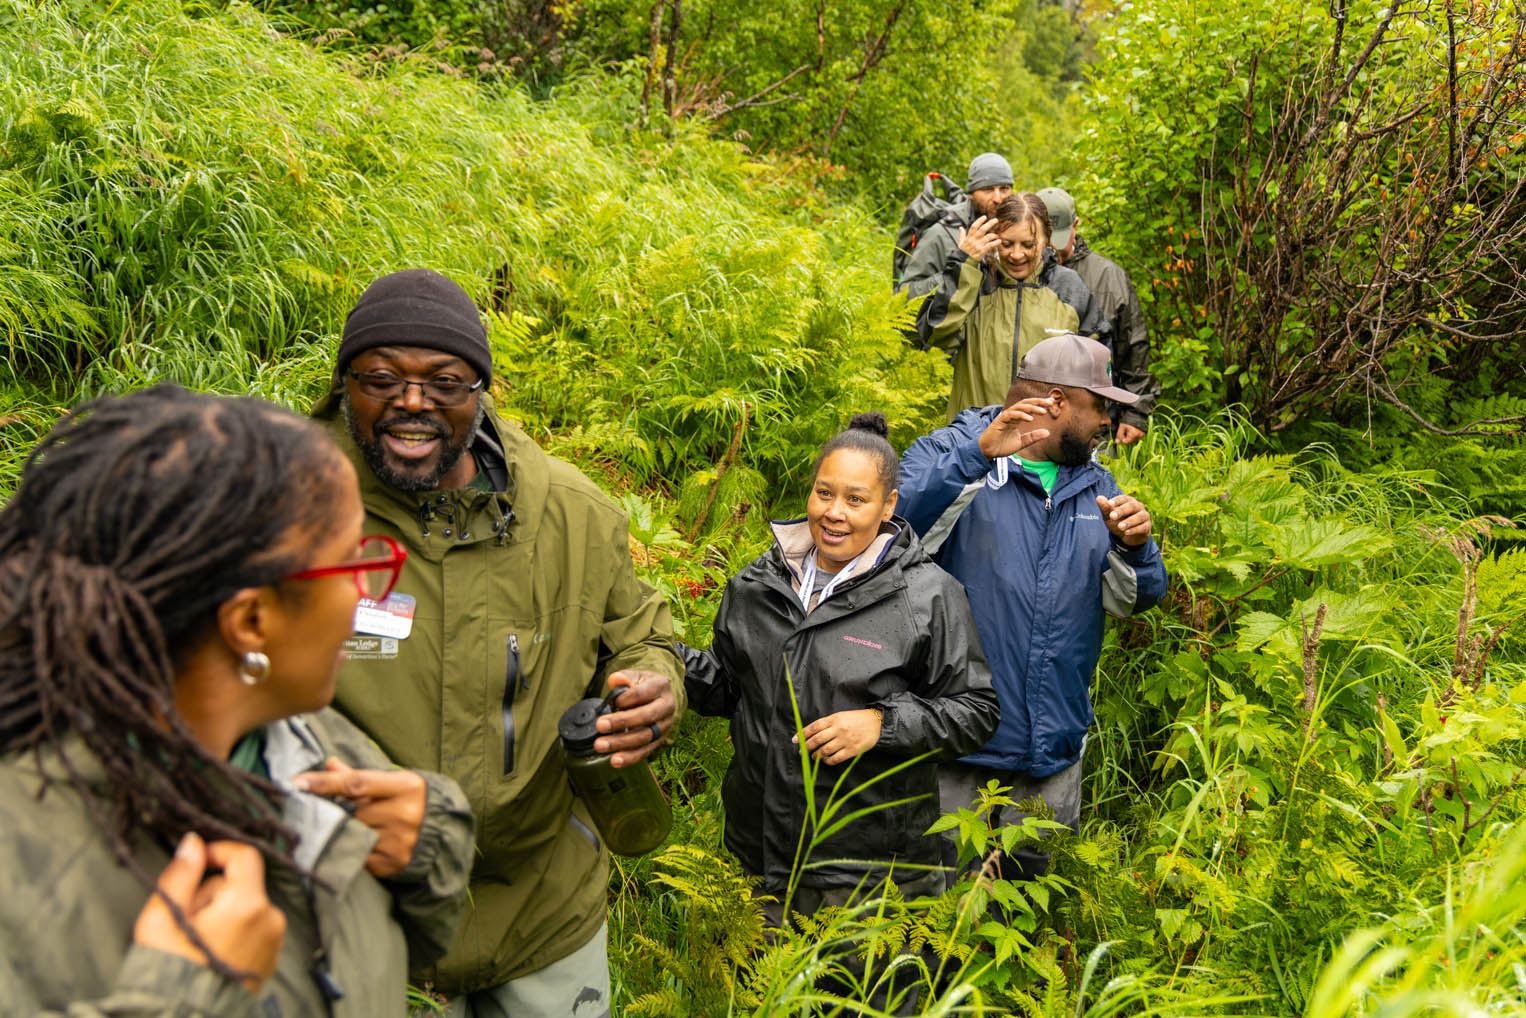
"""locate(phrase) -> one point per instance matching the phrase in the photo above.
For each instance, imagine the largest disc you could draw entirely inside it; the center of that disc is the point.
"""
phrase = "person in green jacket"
(186, 828)
(518, 599)
(1011, 295)
(1114, 294)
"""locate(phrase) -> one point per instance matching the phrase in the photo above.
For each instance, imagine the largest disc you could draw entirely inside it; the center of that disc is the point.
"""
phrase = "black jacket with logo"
(899, 637)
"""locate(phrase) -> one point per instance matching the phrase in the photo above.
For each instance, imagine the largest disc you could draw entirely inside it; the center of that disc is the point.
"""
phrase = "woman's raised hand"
(228, 910)
(980, 239)
(840, 737)
(391, 803)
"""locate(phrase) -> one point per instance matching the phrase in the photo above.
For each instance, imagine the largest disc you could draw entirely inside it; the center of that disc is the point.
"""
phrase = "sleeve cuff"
(151, 974)
(444, 805)
(887, 724)
(1134, 556)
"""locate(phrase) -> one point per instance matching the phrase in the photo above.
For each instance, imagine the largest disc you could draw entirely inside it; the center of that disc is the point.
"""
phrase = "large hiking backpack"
(925, 210)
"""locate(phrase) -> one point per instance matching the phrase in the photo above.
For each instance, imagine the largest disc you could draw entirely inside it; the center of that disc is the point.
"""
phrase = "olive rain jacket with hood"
(1040, 570)
(68, 907)
(899, 637)
(986, 320)
(1114, 295)
(513, 605)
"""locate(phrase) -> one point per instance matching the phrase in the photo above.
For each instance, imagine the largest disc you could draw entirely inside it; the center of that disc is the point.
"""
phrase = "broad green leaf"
(1316, 543)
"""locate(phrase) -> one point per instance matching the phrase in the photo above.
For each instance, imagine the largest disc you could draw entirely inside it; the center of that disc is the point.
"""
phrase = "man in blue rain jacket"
(1045, 543)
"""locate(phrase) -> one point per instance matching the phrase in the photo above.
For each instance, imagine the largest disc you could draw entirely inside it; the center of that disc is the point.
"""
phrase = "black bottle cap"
(577, 726)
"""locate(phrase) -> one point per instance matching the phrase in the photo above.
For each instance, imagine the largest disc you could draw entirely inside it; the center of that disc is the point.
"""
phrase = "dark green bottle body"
(627, 805)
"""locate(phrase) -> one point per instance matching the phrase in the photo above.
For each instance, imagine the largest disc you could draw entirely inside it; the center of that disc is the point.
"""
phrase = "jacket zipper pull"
(1048, 501)
(511, 682)
(327, 984)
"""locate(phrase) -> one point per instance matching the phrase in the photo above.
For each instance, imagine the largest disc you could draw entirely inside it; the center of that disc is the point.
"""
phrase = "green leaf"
(1395, 741)
(1316, 543)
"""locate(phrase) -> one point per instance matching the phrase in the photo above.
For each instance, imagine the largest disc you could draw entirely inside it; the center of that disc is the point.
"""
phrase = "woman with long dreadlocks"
(185, 828)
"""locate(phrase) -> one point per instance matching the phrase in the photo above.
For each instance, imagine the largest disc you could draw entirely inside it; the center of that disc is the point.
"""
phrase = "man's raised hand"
(1127, 519)
(1006, 434)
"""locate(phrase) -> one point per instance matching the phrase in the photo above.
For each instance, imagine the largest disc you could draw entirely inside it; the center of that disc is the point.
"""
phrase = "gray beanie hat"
(988, 170)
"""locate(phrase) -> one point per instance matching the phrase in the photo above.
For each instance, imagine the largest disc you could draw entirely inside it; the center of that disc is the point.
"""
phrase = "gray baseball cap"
(1062, 216)
(1076, 361)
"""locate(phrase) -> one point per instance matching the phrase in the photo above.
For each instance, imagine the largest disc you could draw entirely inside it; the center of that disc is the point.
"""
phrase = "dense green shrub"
(1324, 202)
(1323, 207)
(195, 197)
(873, 93)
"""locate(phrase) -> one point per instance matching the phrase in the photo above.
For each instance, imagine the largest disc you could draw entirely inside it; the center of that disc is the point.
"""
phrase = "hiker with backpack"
(930, 225)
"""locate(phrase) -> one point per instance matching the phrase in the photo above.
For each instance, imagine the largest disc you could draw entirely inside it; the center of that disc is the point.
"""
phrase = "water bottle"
(628, 808)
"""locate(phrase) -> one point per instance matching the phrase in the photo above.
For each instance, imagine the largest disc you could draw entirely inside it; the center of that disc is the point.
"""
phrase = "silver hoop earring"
(254, 668)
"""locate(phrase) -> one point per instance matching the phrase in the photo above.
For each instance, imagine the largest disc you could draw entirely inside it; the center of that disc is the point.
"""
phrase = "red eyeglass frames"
(375, 571)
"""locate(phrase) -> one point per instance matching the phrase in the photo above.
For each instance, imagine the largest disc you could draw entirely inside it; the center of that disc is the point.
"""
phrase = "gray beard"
(371, 451)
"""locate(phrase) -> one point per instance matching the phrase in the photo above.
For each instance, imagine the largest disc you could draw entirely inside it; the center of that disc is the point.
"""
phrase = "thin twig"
(1310, 666)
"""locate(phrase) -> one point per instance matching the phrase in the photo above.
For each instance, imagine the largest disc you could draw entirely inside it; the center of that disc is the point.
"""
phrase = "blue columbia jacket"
(1040, 570)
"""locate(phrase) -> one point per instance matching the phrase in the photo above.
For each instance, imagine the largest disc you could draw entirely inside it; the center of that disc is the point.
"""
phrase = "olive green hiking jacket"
(989, 320)
(68, 906)
(524, 602)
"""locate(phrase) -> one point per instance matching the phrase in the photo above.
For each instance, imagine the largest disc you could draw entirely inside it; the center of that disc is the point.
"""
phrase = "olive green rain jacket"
(68, 906)
(989, 320)
(524, 601)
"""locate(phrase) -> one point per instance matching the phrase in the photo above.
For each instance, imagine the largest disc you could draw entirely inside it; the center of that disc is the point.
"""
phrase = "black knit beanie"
(417, 307)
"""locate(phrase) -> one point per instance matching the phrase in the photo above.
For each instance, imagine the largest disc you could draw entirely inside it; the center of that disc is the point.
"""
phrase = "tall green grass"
(191, 195)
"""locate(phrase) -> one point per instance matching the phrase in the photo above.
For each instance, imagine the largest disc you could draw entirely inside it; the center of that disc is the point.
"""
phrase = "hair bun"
(873, 421)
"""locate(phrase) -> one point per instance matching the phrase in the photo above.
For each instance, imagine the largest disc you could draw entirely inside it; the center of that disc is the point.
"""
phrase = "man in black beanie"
(518, 599)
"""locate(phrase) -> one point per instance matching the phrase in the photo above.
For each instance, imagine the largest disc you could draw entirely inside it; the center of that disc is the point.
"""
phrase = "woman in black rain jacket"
(880, 648)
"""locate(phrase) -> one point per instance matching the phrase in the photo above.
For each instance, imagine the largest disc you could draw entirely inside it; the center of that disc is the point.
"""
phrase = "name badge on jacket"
(392, 617)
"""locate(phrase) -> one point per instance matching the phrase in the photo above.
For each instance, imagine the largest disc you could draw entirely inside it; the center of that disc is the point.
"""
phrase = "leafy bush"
(212, 221)
(872, 93)
(1323, 200)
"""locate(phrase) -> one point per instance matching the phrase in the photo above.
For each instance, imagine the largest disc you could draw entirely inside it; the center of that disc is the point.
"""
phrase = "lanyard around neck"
(808, 577)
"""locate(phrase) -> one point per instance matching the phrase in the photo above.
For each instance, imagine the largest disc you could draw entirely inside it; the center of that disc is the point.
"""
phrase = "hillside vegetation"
(1305, 782)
